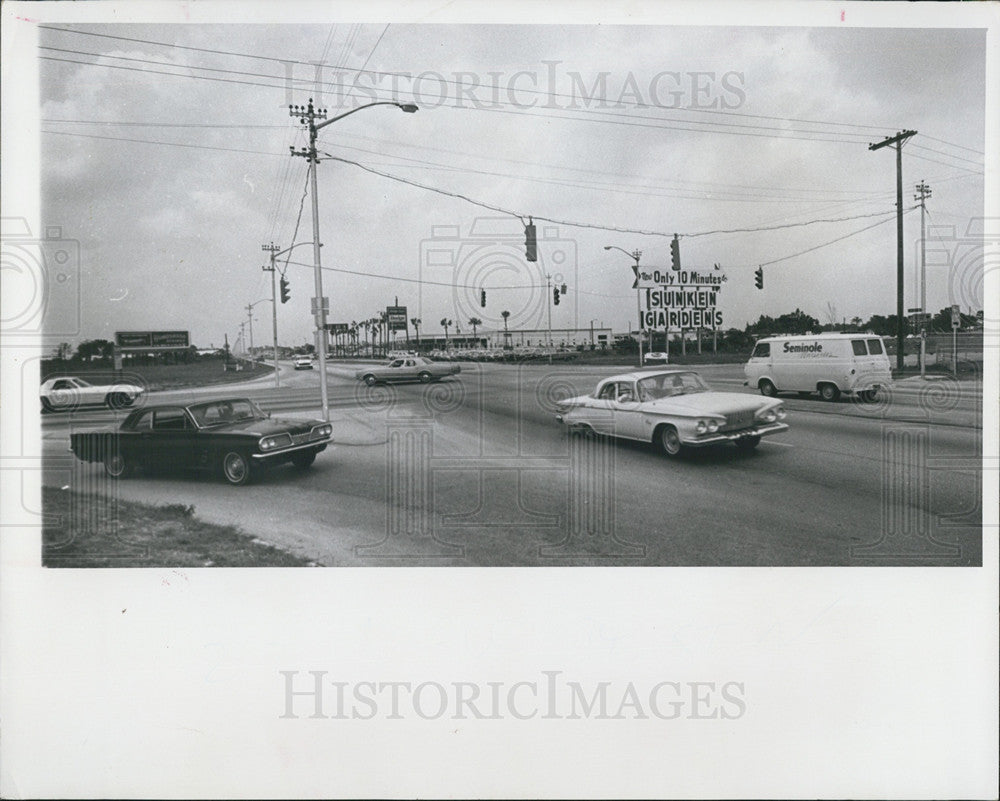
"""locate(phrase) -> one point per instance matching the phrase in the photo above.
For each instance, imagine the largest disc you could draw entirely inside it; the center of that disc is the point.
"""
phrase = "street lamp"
(635, 254)
(320, 306)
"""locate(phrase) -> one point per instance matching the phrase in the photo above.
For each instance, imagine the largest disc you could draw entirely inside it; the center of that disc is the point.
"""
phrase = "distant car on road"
(656, 358)
(409, 368)
(675, 409)
(303, 363)
(230, 435)
(68, 393)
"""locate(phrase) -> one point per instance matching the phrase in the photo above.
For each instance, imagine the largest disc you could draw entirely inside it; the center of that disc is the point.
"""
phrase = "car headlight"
(701, 427)
(782, 414)
(713, 426)
(769, 416)
(267, 443)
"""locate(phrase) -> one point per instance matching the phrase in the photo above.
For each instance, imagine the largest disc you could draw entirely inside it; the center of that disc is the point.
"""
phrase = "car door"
(171, 441)
(627, 411)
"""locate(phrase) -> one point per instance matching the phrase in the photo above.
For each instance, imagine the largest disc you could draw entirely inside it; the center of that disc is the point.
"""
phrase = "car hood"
(263, 428)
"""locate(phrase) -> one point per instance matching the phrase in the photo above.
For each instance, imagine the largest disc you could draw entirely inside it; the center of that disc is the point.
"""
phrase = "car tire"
(425, 378)
(747, 444)
(117, 465)
(370, 380)
(237, 467)
(47, 405)
(304, 459)
(829, 392)
(868, 395)
(768, 389)
(670, 441)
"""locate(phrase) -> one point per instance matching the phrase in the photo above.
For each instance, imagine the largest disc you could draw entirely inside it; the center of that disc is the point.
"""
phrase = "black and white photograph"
(617, 380)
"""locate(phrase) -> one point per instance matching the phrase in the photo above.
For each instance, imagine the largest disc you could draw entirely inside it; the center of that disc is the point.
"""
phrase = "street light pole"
(635, 254)
(320, 306)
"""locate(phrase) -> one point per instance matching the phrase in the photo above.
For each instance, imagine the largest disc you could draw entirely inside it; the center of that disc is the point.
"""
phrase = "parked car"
(68, 393)
(656, 358)
(303, 363)
(675, 409)
(229, 435)
(410, 368)
(825, 363)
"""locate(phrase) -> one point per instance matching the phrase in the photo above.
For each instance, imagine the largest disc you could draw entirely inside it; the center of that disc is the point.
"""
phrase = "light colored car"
(303, 363)
(409, 368)
(67, 393)
(656, 358)
(674, 409)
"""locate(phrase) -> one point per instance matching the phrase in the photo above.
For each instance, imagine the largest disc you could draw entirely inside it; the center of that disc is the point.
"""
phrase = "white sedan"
(675, 409)
(67, 393)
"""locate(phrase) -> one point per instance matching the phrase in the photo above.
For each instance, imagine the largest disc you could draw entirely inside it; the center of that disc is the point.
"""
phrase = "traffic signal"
(285, 294)
(562, 291)
(759, 278)
(482, 298)
(675, 254)
(530, 243)
(555, 296)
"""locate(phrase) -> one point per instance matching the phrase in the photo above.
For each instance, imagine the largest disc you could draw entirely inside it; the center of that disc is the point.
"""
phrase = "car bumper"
(762, 430)
(318, 445)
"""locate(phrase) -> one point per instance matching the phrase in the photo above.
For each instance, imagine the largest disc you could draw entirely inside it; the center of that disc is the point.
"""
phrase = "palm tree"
(445, 322)
(506, 334)
(475, 322)
(416, 321)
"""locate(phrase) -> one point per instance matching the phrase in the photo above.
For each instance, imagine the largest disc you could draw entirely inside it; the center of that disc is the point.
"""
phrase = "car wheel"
(117, 466)
(236, 467)
(768, 389)
(670, 441)
(117, 400)
(747, 444)
(829, 392)
(47, 405)
(868, 395)
(370, 380)
(304, 460)
(425, 378)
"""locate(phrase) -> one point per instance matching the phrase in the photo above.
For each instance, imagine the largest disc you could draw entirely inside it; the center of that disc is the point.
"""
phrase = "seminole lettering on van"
(815, 347)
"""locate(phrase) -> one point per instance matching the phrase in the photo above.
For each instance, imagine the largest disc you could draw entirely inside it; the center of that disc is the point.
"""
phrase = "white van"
(825, 363)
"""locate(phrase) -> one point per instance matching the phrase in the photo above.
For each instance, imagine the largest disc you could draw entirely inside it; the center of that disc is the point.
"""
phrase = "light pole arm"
(407, 107)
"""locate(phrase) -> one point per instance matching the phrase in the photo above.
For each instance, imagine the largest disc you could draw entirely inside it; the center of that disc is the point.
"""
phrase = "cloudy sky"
(165, 153)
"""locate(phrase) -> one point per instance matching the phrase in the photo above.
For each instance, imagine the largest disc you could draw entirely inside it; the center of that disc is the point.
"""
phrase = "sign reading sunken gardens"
(684, 299)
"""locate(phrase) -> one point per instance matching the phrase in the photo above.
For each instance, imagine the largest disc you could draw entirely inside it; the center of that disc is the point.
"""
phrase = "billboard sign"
(395, 317)
(337, 328)
(152, 340)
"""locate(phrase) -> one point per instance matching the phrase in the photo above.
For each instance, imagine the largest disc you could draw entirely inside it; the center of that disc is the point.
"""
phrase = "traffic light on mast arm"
(482, 298)
(530, 242)
(285, 294)
(759, 278)
(675, 253)
(555, 296)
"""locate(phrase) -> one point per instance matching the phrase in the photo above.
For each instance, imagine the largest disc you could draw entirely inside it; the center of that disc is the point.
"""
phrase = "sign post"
(956, 322)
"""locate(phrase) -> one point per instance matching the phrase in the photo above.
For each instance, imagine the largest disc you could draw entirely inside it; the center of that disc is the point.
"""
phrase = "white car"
(656, 358)
(675, 409)
(68, 393)
(304, 363)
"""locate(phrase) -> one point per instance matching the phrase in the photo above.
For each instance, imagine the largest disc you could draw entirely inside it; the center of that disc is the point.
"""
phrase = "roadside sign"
(956, 317)
(152, 340)
(395, 316)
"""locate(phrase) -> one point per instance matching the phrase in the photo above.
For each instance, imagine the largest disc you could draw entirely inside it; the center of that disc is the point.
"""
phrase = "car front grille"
(738, 420)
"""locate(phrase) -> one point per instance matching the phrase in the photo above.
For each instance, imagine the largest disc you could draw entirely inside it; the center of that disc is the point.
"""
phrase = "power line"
(461, 84)
(522, 215)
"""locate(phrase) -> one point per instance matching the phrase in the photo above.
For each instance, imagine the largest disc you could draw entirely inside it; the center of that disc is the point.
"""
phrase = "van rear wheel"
(768, 389)
(829, 392)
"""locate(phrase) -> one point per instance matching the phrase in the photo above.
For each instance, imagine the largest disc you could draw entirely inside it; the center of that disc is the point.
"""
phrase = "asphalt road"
(475, 471)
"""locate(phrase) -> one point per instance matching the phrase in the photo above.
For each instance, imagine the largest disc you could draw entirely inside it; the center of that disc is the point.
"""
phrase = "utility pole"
(897, 142)
(250, 318)
(271, 250)
(308, 115)
(923, 192)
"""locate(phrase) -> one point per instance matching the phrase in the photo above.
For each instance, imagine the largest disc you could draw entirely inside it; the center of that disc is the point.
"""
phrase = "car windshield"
(668, 385)
(214, 413)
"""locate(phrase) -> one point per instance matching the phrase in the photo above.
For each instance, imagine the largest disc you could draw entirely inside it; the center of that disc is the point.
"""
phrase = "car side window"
(875, 347)
(762, 349)
(608, 392)
(397, 363)
(144, 423)
(625, 393)
(410, 363)
(62, 383)
(169, 420)
(859, 347)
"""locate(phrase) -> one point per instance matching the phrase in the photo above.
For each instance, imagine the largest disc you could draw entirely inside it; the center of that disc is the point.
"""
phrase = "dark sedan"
(231, 435)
